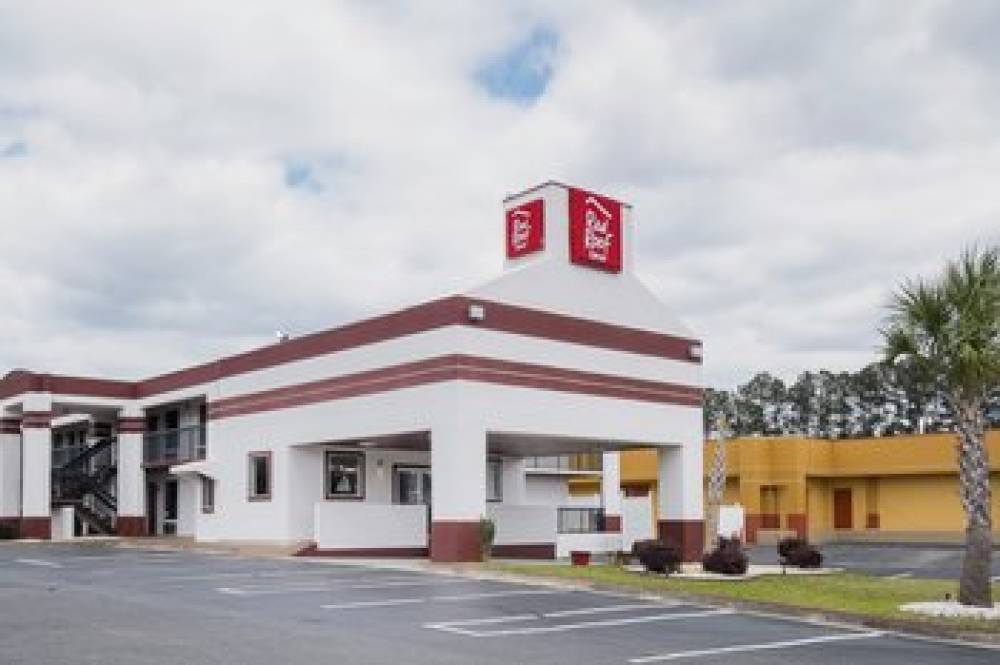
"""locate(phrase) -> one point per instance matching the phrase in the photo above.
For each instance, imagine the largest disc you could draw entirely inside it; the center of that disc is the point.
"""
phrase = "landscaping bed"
(859, 598)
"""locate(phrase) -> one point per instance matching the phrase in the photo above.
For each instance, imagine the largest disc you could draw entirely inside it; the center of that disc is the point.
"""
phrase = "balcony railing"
(579, 462)
(174, 446)
(580, 520)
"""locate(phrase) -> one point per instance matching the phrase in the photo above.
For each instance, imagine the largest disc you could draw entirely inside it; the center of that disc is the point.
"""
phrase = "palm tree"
(948, 331)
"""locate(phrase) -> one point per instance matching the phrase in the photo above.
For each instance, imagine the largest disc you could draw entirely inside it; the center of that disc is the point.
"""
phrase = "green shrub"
(487, 532)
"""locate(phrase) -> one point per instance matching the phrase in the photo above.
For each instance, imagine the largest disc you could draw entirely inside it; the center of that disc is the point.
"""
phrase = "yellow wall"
(908, 483)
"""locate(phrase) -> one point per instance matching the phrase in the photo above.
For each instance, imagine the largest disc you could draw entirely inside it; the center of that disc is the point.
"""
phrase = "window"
(345, 475)
(207, 495)
(494, 480)
(260, 477)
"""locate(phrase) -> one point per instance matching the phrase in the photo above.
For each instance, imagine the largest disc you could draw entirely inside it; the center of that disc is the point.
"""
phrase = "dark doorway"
(170, 508)
(151, 516)
(843, 510)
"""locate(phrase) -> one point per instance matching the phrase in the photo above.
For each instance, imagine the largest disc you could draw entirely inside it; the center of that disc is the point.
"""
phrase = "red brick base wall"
(365, 552)
(130, 525)
(525, 551)
(689, 535)
(455, 542)
(799, 523)
(751, 525)
(612, 523)
(36, 527)
(12, 525)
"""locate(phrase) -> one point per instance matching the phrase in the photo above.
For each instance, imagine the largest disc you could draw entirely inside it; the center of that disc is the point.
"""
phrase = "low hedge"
(800, 553)
(657, 556)
(728, 558)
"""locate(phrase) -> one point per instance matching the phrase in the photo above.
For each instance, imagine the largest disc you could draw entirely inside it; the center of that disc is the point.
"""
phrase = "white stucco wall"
(587, 542)
(10, 475)
(524, 524)
(349, 525)
(547, 490)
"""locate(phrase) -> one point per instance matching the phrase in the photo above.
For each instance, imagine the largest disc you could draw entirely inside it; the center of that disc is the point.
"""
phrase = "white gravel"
(953, 609)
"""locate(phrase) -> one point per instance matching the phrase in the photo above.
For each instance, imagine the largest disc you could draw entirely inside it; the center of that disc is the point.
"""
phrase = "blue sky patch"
(299, 175)
(521, 73)
(14, 149)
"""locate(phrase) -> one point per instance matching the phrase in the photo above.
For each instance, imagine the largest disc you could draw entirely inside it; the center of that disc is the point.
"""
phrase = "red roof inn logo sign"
(595, 231)
(525, 229)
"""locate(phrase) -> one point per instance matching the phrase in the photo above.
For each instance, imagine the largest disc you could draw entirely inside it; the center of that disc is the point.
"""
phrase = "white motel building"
(397, 434)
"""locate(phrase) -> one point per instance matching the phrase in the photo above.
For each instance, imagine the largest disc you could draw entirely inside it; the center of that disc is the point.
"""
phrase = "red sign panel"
(595, 230)
(525, 229)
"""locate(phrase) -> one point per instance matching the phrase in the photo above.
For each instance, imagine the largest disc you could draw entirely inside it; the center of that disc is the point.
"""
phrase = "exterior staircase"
(84, 481)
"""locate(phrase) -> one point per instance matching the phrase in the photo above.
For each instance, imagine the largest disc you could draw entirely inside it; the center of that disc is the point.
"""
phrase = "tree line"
(878, 400)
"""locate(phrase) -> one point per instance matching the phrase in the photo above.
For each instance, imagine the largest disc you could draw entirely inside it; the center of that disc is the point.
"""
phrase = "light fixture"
(477, 312)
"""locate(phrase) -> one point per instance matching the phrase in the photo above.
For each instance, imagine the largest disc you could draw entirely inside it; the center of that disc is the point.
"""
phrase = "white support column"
(611, 491)
(515, 481)
(458, 501)
(36, 465)
(10, 470)
(131, 495)
(681, 496)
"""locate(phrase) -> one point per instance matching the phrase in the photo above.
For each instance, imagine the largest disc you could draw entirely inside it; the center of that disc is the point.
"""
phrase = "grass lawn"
(860, 595)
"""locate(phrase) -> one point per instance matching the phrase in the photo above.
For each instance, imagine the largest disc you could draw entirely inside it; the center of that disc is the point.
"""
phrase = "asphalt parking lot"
(108, 605)
(918, 560)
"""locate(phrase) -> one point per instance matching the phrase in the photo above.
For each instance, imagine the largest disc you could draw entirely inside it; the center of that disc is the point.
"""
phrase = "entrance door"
(151, 503)
(413, 485)
(843, 511)
(170, 508)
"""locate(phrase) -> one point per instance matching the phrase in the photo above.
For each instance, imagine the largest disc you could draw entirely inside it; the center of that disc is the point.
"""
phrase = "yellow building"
(900, 488)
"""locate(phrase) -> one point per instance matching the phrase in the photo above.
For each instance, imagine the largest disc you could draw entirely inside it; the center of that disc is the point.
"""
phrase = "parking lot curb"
(900, 628)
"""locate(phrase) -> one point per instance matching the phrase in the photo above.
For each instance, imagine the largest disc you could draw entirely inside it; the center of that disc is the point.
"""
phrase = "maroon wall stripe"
(450, 368)
(36, 420)
(420, 318)
(132, 425)
(19, 382)
(575, 330)
(10, 425)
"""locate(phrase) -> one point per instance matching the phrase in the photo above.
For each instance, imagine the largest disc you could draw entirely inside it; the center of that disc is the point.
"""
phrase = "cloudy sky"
(180, 182)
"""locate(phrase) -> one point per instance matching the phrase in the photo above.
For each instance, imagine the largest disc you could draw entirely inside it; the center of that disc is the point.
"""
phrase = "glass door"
(413, 485)
(413, 488)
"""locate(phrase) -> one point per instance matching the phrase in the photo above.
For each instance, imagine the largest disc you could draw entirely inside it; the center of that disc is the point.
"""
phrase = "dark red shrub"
(728, 558)
(800, 553)
(658, 557)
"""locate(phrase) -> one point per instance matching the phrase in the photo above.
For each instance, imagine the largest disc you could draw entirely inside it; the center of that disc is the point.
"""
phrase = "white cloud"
(789, 162)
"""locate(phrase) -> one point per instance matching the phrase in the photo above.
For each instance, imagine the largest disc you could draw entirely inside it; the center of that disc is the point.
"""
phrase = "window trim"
(207, 508)
(498, 498)
(362, 472)
(251, 456)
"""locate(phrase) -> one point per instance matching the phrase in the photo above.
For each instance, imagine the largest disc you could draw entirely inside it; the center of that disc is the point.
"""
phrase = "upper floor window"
(259, 481)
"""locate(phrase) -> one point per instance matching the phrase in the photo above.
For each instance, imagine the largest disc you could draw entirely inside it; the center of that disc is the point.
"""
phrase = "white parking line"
(457, 626)
(437, 599)
(765, 646)
(39, 562)
(899, 576)
(259, 590)
(277, 575)
(374, 603)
